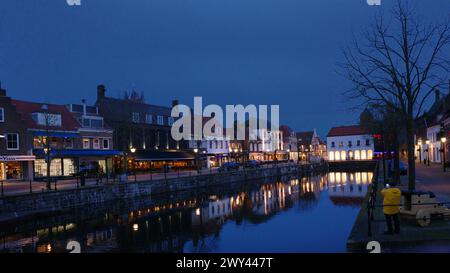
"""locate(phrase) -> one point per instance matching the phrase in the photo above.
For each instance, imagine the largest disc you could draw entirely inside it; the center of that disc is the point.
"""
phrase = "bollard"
(3, 193)
(31, 188)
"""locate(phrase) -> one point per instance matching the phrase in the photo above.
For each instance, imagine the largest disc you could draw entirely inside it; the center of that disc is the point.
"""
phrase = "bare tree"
(398, 65)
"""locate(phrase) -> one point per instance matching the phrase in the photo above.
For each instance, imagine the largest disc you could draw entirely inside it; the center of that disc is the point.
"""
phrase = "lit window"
(86, 143)
(96, 143)
(12, 141)
(2, 115)
(363, 155)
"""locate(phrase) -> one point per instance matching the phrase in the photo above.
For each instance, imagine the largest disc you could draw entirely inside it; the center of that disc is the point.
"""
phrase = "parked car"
(251, 164)
(229, 166)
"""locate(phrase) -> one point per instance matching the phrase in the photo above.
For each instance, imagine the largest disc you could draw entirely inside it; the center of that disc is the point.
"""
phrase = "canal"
(289, 214)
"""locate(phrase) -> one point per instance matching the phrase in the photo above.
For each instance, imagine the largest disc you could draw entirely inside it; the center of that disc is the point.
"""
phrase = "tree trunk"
(410, 148)
(396, 158)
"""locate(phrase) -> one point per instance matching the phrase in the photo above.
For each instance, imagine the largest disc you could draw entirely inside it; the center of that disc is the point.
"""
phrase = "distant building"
(289, 142)
(267, 145)
(147, 129)
(431, 127)
(349, 143)
(16, 156)
(311, 148)
(96, 137)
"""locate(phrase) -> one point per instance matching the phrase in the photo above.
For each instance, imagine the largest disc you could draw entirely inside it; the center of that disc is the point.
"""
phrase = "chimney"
(174, 103)
(101, 90)
(83, 102)
(3, 91)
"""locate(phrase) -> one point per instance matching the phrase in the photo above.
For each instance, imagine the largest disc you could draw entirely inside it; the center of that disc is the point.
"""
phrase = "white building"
(267, 145)
(349, 143)
(434, 145)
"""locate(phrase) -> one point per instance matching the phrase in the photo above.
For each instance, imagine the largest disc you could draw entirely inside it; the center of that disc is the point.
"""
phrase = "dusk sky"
(228, 51)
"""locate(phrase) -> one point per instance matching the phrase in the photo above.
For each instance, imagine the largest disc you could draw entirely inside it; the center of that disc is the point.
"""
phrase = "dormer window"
(148, 119)
(136, 117)
(46, 119)
(160, 120)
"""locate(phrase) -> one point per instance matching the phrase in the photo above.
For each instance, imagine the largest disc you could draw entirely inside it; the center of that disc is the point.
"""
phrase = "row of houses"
(433, 131)
(116, 135)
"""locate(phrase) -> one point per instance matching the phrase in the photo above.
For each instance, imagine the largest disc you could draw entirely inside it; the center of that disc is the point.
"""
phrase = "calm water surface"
(309, 214)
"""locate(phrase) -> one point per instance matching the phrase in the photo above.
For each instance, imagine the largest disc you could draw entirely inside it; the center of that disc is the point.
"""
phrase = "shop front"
(16, 167)
(156, 161)
(67, 163)
(216, 160)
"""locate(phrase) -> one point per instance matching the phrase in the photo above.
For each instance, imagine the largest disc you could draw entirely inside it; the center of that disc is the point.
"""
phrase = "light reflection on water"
(309, 214)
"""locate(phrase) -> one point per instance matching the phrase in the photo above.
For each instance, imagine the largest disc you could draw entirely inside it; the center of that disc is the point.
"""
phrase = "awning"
(163, 156)
(79, 153)
(55, 134)
(8, 158)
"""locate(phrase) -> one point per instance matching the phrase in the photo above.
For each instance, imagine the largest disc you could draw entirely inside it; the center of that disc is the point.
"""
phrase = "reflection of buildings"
(348, 188)
(190, 224)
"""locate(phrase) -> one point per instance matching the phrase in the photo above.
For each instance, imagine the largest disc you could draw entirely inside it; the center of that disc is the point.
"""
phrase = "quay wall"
(21, 206)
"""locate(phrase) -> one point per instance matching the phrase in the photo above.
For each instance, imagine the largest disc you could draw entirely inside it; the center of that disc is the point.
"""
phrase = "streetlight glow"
(133, 150)
(443, 139)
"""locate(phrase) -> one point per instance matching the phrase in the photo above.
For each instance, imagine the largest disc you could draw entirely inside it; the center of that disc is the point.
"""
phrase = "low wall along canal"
(13, 208)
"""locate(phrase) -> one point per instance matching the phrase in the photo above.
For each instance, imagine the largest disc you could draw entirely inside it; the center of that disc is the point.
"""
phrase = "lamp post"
(427, 150)
(196, 159)
(133, 150)
(443, 141)
(289, 154)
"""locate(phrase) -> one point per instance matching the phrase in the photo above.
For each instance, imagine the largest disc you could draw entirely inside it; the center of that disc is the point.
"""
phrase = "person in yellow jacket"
(391, 208)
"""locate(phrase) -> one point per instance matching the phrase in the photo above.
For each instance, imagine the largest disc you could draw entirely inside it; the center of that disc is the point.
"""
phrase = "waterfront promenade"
(412, 237)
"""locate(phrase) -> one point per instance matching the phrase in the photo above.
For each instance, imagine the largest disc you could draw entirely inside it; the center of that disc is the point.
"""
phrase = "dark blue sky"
(228, 51)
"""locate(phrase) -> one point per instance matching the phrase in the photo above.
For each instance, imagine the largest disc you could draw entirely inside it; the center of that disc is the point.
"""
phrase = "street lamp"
(443, 141)
(133, 150)
(427, 150)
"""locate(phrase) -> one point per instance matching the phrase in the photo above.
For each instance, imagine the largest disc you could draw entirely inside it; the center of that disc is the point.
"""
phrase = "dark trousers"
(389, 218)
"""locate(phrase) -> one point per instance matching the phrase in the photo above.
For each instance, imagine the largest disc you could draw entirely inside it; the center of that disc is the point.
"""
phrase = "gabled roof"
(26, 109)
(350, 130)
(305, 138)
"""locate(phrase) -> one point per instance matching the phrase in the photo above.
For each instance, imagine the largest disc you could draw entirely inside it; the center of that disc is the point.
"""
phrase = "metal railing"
(77, 182)
(372, 200)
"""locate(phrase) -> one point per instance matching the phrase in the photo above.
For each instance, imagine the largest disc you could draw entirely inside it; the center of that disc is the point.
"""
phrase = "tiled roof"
(26, 109)
(347, 131)
(121, 110)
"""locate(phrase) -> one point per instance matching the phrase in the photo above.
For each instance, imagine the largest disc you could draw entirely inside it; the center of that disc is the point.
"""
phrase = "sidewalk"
(24, 187)
(429, 178)
(432, 178)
